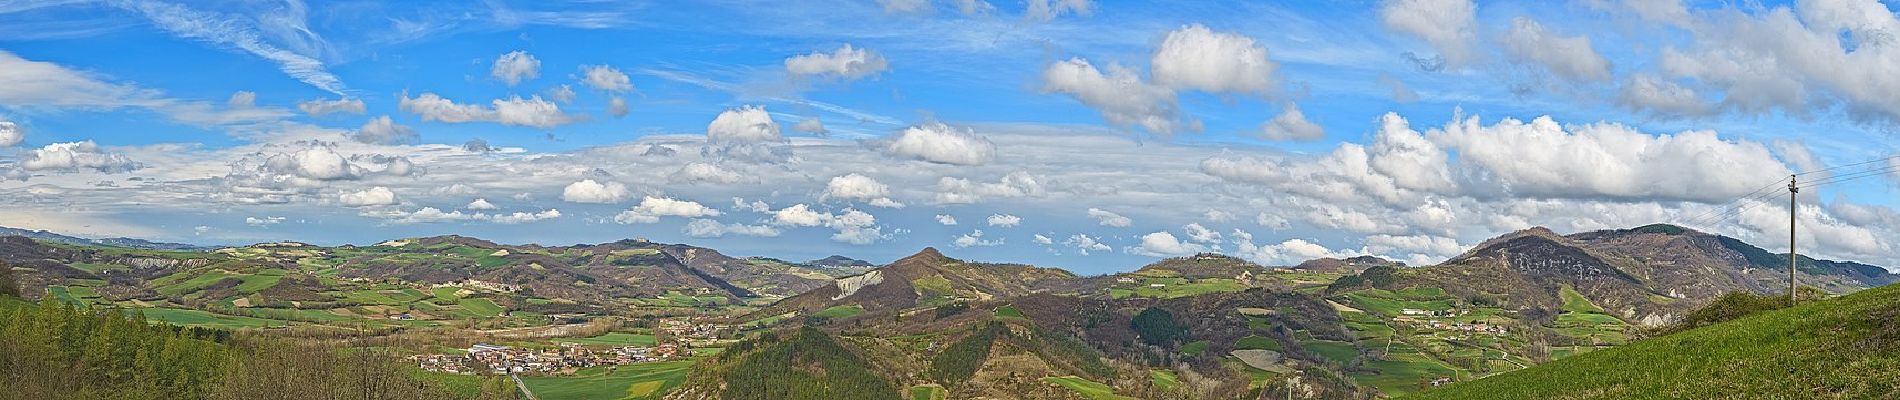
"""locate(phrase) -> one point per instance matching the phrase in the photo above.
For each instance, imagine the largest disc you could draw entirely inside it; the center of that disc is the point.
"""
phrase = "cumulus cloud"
(480, 204)
(651, 209)
(321, 107)
(606, 78)
(855, 186)
(11, 134)
(1107, 218)
(263, 221)
(589, 191)
(703, 172)
(743, 125)
(846, 63)
(75, 156)
(851, 226)
(382, 130)
(515, 66)
(1543, 159)
(1217, 216)
(1400, 92)
(1198, 233)
(1289, 252)
(974, 239)
(242, 99)
(1416, 249)
(1450, 26)
(707, 228)
(1567, 56)
(939, 143)
(811, 126)
(375, 196)
(1291, 124)
(1648, 92)
(1085, 244)
(1005, 220)
(435, 215)
(562, 94)
(946, 220)
(1164, 244)
(963, 191)
(1195, 57)
(1811, 56)
(904, 6)
(533, 111)
(1120, 94)
(617, 107)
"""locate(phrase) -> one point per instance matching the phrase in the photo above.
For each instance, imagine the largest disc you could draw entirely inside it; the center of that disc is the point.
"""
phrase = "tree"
(8, 284)
(1156, 326)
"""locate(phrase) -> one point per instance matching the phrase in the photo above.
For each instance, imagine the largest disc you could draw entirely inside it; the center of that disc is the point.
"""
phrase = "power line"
(1732, 203)
(1883, 158)
(1853, 176)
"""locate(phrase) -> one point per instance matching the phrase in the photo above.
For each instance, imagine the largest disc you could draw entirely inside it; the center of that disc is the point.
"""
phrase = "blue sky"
(1115, 132)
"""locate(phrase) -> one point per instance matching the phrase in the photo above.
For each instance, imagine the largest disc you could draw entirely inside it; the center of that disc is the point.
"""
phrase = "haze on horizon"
(1097, 136)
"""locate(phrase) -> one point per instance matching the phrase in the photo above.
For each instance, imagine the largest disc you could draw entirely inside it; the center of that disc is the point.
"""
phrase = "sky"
(1096, 136)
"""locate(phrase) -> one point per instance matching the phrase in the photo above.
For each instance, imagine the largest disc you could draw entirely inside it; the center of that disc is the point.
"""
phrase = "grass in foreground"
(1847, 347)
(636, 381)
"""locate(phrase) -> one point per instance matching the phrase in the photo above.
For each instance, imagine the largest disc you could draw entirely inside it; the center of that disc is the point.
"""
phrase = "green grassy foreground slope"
(1848, 347)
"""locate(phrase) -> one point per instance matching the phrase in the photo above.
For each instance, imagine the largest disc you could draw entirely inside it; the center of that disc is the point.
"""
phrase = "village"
(563, 360)
(1429, 320)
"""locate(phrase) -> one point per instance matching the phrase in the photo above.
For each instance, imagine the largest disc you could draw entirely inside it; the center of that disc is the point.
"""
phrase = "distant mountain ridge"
(112, 242)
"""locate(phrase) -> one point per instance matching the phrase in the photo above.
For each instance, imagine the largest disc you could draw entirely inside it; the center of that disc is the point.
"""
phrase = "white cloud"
(480, 204)
(563, 94)
(1042, 240)
(255, 221)
(1045, 10)
(1451, 26)
(533, 111)
(522, 217)
(851, 226)
(515, 66)
(811, 126)
(1569, 57)
(707, 228)
(589, 191)
(74, 156)
(617, 107)
(855, 186)
(702, 172)
(321, 107)
(1543, 159)
(1107, 218)
(1217, 216)
(1414, 248)
(1085, 244)
(1291, 124)
(939, 143)
(242, 99)
(1198, 233)
(651, 209)
(975, 7)
(1271, 221)
(963, 191)
(382, 130)
(1005, 220)
(1120, 95)
(800, 215)
(1648, 92)
(11, 134)
(1164, 244)
(974, 239)
(376, 196)
(1195, 57)
(846, 63)
(743, 125)
(1289, 252)
(434, 215)
(946, 220)
(240, 33)
(606, 78)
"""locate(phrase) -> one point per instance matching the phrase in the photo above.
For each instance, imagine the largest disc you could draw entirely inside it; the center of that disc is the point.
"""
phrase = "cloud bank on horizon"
(1069, 133)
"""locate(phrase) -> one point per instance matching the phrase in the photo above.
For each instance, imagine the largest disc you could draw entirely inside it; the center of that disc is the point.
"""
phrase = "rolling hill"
(1846, 347)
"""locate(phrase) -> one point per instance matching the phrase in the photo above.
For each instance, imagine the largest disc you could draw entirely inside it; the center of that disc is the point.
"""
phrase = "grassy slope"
(637, 381)
(1841, 348)
(1089, 389)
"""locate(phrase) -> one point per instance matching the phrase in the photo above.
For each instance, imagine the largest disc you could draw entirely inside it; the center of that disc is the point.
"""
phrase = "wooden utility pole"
(1792, 190)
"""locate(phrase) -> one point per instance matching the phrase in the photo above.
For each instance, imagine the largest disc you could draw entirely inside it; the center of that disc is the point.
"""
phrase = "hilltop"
(1847, 347)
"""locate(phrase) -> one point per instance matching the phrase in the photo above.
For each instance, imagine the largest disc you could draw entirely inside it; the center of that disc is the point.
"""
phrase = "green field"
(612, 339)
(637, 381)
(1172, 287)
(1340, 352)
(480, 307)
(928, 392)
(1838, 348)
(1164, 379)
(178, 316)
(1402, 372)
(1009, 312)
(840, 312)
(1091, 390)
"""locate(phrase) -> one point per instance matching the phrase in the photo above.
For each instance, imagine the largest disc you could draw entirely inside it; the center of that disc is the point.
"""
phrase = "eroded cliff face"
(848, 286)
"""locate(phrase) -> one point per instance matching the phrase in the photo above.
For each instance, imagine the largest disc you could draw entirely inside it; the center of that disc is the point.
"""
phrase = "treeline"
(55, 350)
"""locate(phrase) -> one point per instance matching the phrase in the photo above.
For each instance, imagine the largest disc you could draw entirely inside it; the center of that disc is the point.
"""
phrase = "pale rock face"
(1657, 320)
(848, 286)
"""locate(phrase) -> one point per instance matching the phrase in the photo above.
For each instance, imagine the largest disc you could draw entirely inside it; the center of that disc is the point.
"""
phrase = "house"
(1157, 285)
(1124, 280)
(1413, 311)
